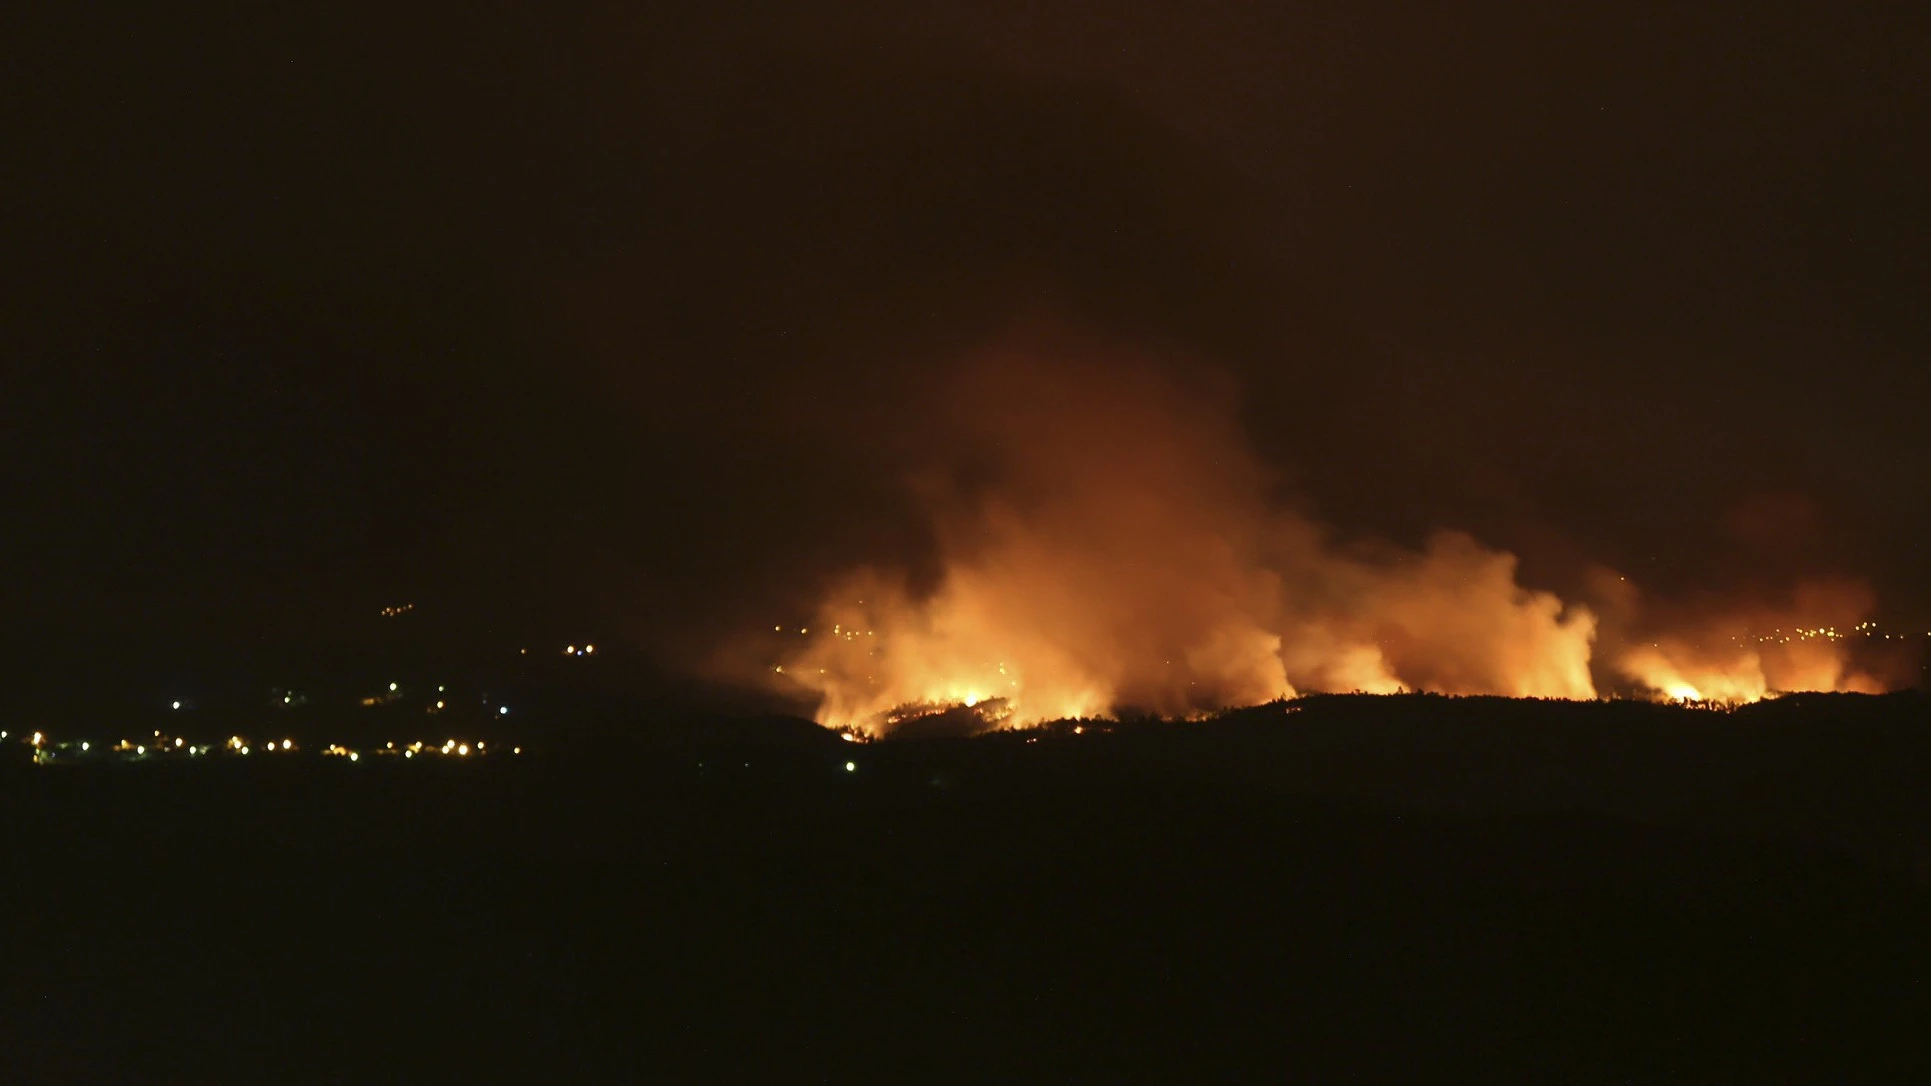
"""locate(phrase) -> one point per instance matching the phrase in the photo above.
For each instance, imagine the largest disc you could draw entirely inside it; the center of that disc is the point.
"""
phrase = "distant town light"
(354, 757)
(286, 744)
(83, 744)
(175, 705)
(463, 749)
(590, 648)
(177, 741)
(504, 711)
(851, 767)
(392, 688)
(408, 754)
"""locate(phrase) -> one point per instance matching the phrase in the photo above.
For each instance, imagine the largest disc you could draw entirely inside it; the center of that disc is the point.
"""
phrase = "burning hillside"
(1106, 543)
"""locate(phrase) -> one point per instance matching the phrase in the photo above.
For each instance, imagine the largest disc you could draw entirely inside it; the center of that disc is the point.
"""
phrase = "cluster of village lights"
(48, 750)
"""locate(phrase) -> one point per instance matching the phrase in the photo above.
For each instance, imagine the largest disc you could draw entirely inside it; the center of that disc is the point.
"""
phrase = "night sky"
(628, 320)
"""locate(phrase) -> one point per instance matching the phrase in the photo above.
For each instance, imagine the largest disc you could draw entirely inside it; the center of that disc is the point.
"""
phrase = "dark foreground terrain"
(1378, 889)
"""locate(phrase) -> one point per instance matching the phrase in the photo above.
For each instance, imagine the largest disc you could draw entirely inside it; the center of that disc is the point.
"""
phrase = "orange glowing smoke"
(1451, 619)
(1100, 562)
(1747, 652)
(1105, 542)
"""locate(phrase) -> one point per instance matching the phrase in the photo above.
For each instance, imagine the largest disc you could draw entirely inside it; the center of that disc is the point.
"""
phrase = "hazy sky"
(555, 316)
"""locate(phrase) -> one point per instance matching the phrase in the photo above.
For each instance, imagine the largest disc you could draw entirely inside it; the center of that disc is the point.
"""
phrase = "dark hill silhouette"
(1407, 888)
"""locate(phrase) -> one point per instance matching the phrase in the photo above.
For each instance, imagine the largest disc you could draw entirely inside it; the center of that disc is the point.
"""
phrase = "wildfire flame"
(1106, 543)
(1744, 653)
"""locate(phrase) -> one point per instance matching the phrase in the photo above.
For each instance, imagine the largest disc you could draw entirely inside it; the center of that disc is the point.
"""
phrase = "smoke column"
(1106, 543)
